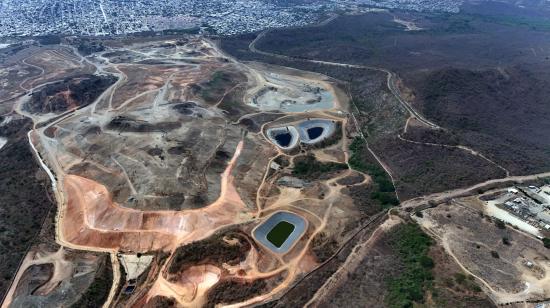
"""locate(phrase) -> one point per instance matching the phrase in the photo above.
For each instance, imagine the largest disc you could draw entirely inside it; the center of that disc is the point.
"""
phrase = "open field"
(48, 272)
(174, 156)
(388, 73)
(466, 74)
(500, 266)
(54, 64)
(24, 70)
(381, 261)
(168, 152)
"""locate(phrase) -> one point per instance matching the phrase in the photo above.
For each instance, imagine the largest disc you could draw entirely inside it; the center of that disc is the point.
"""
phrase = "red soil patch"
(91, 218)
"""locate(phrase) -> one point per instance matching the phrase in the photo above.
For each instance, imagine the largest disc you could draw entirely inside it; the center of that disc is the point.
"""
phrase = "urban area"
(111, 17)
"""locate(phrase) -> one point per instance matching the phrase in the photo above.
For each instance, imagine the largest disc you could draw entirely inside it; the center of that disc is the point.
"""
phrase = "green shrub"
(475, 288)
(384, 191)
(309, 168)
(460, 278)
(98, 291)
(356, 147)
(386, 199)
(427, 262)
(500, 224)
(412, 246)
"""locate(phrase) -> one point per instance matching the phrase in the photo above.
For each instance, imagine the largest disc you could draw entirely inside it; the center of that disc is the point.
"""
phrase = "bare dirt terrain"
(362, 278)
(158, 158)
(165, 155)
(479, 75)
(500, 266)
(459, 145)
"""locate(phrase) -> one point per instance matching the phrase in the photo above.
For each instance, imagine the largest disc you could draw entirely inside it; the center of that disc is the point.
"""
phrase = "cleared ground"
(511, 266)
(172, 155)
(172, 161)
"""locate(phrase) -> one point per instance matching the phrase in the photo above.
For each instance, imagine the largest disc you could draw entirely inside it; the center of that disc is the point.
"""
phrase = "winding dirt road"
(439, 197)
(390, 76)
(87, 215)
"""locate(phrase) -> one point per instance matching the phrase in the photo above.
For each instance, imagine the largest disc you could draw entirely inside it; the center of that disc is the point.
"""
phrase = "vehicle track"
(422, 201)
(390, 81)
(376, 219)
(352, 261)
(460, 147)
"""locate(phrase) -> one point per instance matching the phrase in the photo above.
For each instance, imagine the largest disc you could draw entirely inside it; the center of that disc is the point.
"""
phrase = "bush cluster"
(412, 246)
(384, 191)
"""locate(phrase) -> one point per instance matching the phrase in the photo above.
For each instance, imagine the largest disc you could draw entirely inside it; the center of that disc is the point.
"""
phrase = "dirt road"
(390, 82)
(352, 262)
(86, 214)
(460, 192)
